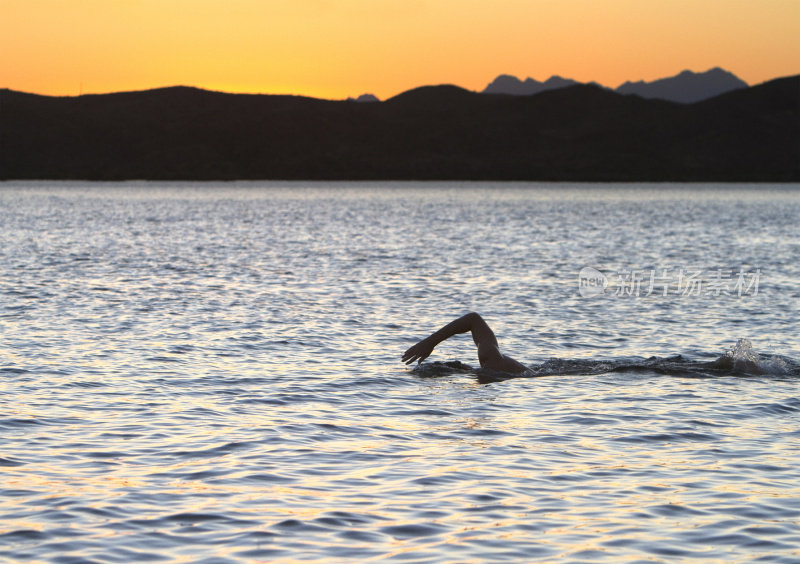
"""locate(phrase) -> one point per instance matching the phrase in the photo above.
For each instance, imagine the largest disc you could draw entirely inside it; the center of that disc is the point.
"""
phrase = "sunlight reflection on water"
(211, 373)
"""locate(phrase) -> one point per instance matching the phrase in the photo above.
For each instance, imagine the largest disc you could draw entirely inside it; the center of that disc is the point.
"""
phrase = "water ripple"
(210, 373)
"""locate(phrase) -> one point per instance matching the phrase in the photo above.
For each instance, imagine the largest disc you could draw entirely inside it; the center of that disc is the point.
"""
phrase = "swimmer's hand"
(419, 352)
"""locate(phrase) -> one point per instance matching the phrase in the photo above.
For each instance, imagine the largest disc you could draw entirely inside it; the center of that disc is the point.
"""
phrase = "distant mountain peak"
(364, 98)
(685, 87)
(510, 84)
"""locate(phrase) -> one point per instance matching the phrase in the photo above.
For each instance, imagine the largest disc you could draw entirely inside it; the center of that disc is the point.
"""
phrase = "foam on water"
(745, 359)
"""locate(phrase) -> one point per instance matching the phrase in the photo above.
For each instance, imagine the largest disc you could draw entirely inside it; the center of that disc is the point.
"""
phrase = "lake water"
(211, 373)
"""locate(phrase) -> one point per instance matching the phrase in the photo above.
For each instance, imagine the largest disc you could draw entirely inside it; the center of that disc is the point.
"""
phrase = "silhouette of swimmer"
(489, 353)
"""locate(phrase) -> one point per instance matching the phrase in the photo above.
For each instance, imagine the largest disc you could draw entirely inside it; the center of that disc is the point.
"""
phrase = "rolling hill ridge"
(580, 132)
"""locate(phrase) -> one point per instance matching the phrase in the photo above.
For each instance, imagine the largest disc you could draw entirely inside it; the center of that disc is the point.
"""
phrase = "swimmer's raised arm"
(488, 350)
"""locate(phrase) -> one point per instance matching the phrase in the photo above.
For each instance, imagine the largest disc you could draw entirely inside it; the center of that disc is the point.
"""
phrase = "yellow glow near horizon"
(340, 48)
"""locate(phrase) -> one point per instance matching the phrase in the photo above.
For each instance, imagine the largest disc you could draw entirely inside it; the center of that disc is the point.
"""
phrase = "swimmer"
(489, 353)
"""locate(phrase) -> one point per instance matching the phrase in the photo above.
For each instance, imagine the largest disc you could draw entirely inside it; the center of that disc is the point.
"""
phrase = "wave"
(740, 360)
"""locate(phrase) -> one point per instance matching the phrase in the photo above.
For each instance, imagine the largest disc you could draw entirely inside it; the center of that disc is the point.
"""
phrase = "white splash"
(745, 359)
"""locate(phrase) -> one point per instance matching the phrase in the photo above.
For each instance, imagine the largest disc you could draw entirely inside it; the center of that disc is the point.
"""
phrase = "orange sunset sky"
(340, 48)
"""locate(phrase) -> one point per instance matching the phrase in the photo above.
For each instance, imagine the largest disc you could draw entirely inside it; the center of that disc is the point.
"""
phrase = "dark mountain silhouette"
(508, 84)
(686, 87)
(443, 132)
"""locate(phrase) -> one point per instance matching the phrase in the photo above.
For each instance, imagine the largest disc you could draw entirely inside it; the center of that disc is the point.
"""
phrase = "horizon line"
(353, 97)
